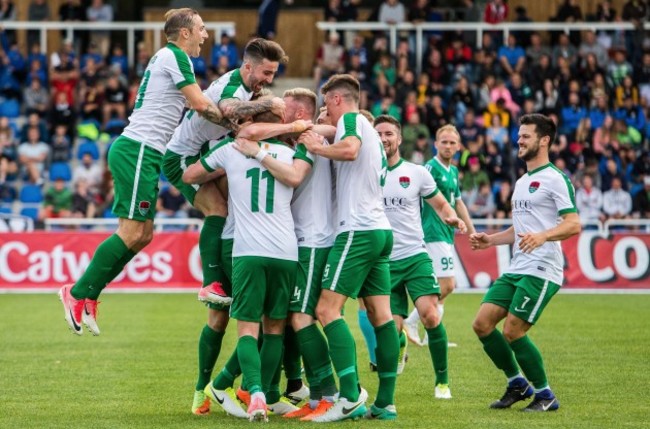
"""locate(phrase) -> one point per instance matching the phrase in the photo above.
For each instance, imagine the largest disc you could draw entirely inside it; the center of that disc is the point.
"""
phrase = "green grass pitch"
(140, 372)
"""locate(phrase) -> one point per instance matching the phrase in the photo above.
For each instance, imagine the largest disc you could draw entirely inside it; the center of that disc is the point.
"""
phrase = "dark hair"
(347, 84)
(258, 50)
(544, 126)
(387, 119)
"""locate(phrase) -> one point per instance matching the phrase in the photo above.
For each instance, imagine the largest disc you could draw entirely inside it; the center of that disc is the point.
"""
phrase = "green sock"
(387, 356)
(438, 350)
(249, 359)
(271, 361)
(97, 275)
(343, 353)
(402, 339)
(210, 249)
(226, 377)
(117, 269)
(291, 358)
(498, 349)
(209, 348)
(530, 360)
(314, 351)
(315, 392)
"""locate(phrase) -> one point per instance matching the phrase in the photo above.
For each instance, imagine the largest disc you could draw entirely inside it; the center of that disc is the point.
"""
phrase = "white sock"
(313, 403)
(413, 318)
(259, 395)
(441, 310)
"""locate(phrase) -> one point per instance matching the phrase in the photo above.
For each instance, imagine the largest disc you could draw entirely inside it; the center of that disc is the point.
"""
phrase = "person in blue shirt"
(512, 56)
(225, 48)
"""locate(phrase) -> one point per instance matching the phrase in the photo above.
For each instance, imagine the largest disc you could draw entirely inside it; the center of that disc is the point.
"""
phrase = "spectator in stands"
(404, 58)
(469, 130)
(406, 91)
(571, 115)
(392, 12)
(359, 50)
(142, 58)
(632, 114)
(590, 45)
(570, 11)
(496, 12)
(171, 204)
(635, 11)
(474, 177)
(38, 11)
(642, 78)
(386, 106)
(480, 202)
(497, 162)
(115, 99)
(547, 98)
(8, 13)
(619, 68)
(536, 49)
(8, 129)
(458, 57)
(422, 151)
(57, 202)
(512, 56)
(611, 169)
(8, 158)
(642, 200)
(436, 115)
(503, 201)
(60, 145)
(410, 106)
(72, 11)
(411, 132)
(83, 202)
(329, 58)
(625, 134)
(501, 94)
(589, 201)
(34, 121)
(36, 99)
(92, 103)
(617, 202)
(62, 112)
(627, 89)
(90, 171)
(462, 99)
(564, 49)
(225, 48)
(384, 75)
(541, 72)
(519, 89)
(599, 111)
(33, 154)
(118, 60)
(437, 71)
(341, 10)
(100, 13)
(496, 133)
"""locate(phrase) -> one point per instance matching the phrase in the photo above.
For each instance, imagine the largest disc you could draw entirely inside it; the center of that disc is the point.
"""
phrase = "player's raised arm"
(263, 130)
(346, 149)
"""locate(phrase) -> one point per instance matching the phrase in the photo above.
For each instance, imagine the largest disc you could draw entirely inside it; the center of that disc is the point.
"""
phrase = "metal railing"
(128, 26)
(111, 223)
(15, 223)
(479, 27)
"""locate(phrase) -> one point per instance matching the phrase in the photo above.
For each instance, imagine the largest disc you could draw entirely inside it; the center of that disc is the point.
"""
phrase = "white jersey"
(312, 203)
(539, 199)
(260, 204)
(228, 232)
(159, 103)
(194, 131)
(406, 184)
(359, 183)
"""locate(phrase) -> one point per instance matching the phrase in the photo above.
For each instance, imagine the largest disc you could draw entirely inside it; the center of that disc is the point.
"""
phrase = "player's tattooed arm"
(236, 109)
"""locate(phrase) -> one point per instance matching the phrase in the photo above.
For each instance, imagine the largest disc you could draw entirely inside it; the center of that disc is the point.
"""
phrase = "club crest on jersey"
(533, 187)
(405, 181)
(144, 207)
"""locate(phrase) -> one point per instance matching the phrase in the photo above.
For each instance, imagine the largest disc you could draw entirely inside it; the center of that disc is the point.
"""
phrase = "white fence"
(479, 27)
(111, 224)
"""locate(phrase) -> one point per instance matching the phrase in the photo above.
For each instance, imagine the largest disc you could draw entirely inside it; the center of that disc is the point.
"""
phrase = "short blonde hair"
(175, 19)
(304, 96)
(448, 127)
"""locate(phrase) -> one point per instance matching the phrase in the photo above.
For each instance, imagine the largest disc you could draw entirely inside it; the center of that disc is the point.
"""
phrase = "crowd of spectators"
(59, 113)
(595, 85)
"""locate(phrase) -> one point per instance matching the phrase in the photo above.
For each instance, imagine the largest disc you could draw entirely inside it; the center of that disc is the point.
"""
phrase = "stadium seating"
(88, 146)
(60, 170)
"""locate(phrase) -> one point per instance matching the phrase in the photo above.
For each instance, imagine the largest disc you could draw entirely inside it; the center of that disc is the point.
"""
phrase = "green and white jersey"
(359, 183)
(159, 103)
(539, 199)
(406, 184)
(260, 204)
(312, 203)
(447, 180)
(194, 131)
(228, 232)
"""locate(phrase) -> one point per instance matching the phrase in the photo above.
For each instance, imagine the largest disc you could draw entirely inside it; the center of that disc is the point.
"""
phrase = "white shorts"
(442, 255)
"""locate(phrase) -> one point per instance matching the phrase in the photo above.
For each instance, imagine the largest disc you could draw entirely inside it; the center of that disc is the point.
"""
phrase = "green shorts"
(522, 295)
(411, 277)
(136, 172)
(261, 286)
(226, 266)
(311, 262)
(173, 167)
(358, 263)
